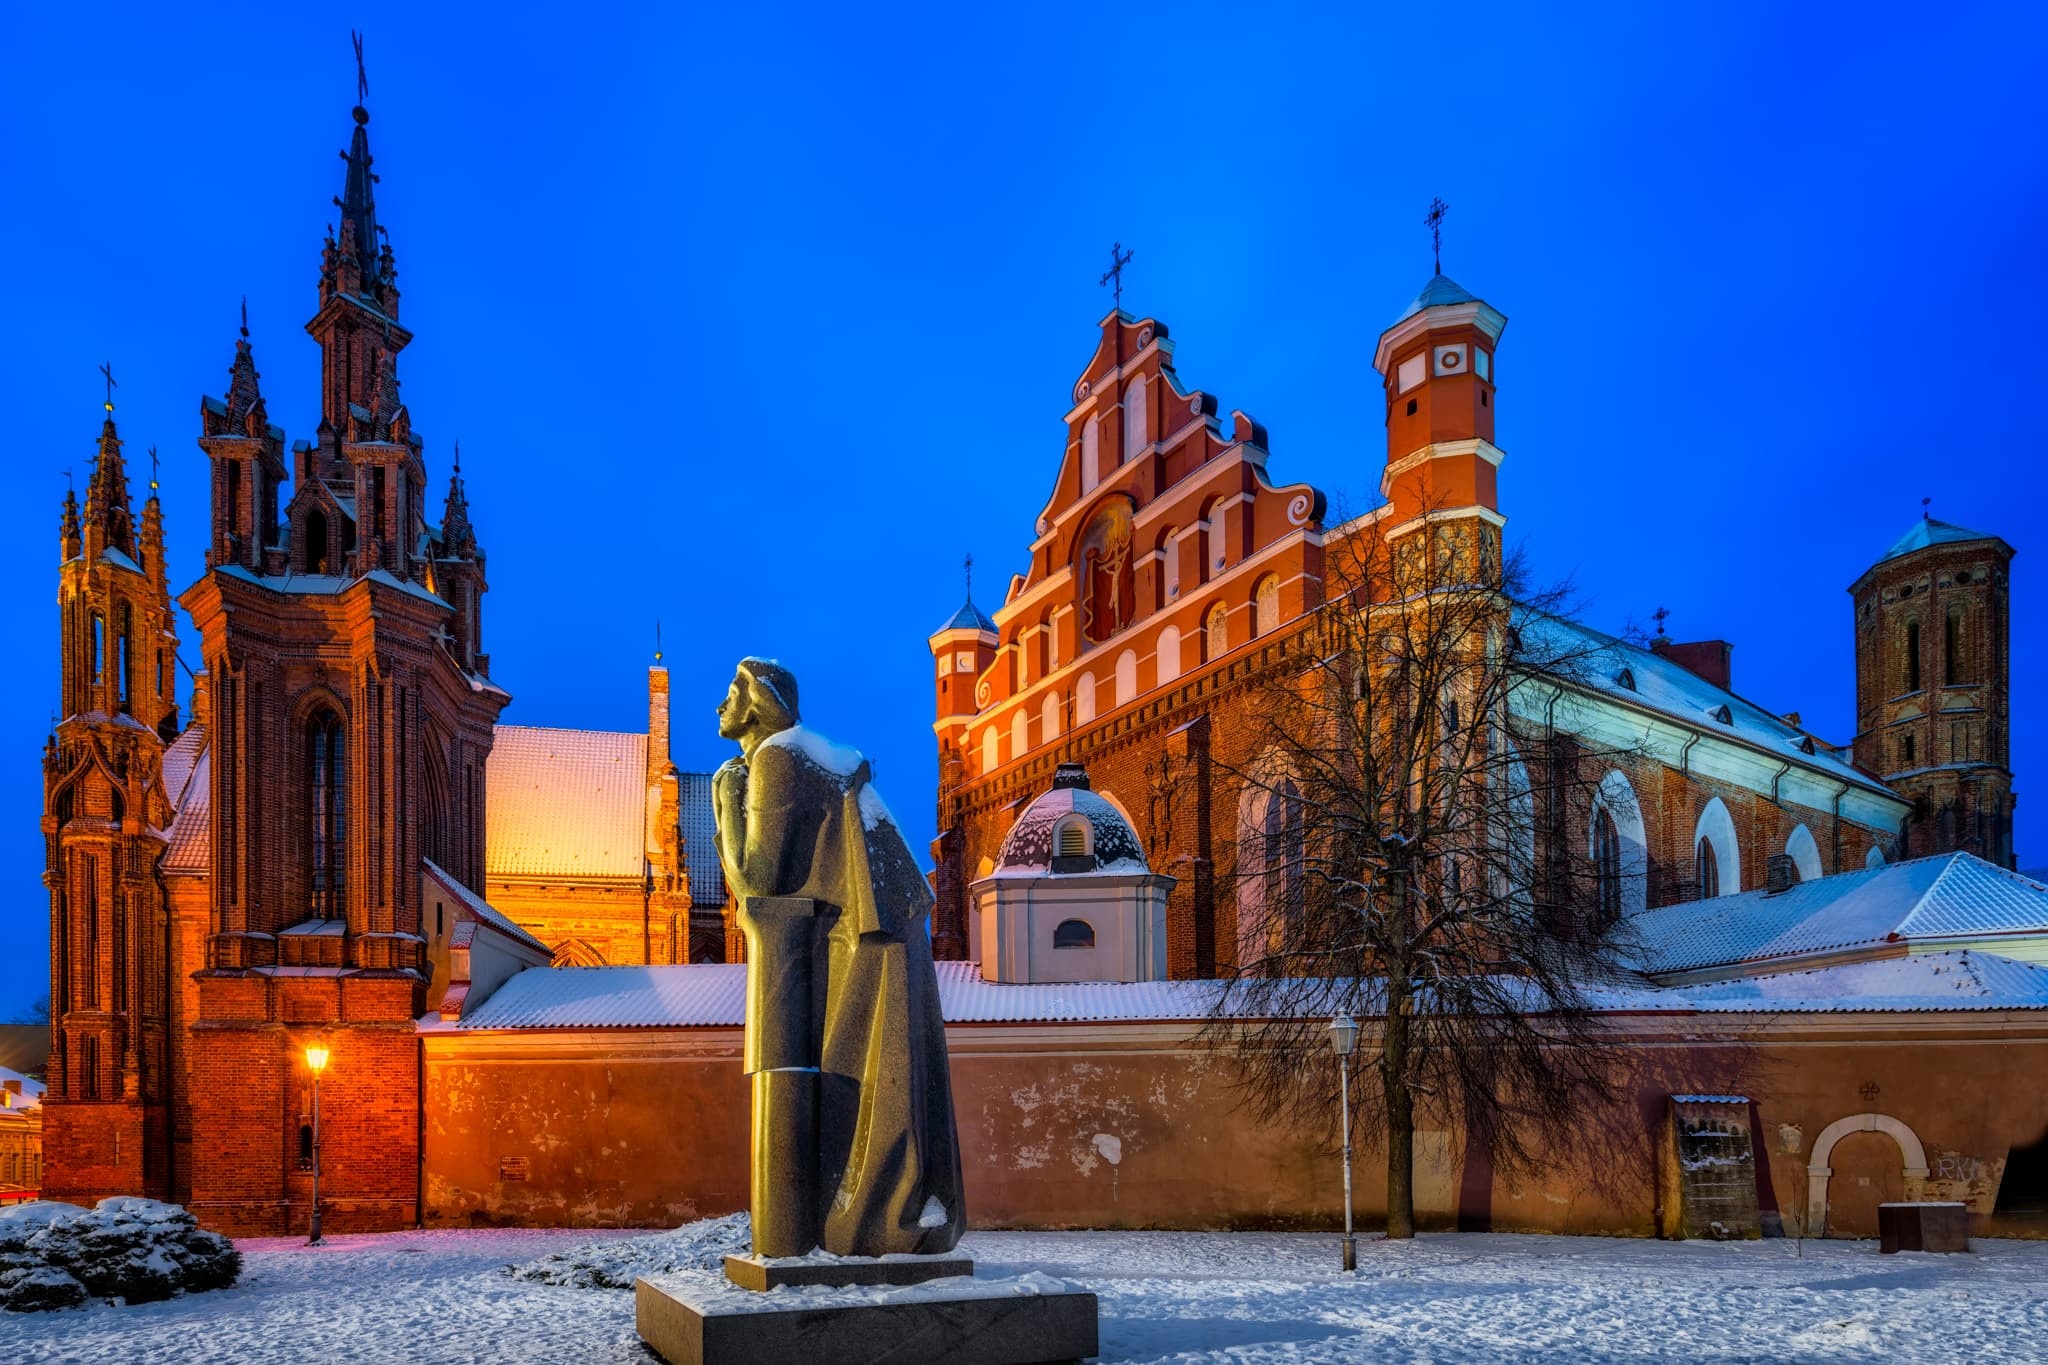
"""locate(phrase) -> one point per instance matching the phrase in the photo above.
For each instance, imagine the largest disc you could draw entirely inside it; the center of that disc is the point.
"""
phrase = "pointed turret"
(458, 537)
(248, 463)
(68, 525)
(357, 325)
(109, 523)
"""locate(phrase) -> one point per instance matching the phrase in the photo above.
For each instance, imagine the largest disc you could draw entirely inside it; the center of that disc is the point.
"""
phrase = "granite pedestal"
(762, 1273)
(1030, 1320)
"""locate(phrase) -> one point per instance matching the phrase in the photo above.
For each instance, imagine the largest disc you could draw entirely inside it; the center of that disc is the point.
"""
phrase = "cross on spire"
(657, 639)
(362, 76)
(1660, 615)
(969, 567)
(1926, 503)
(108, 370)
(152, 469)
(245, 317)
(1114, 276)
(1434, 221)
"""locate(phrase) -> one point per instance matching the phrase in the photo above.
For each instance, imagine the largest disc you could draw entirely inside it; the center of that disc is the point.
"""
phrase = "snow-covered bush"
(615, 1264)
(55, 1255)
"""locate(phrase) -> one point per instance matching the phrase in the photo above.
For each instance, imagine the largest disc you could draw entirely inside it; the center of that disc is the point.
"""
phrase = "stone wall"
(1127, 1125)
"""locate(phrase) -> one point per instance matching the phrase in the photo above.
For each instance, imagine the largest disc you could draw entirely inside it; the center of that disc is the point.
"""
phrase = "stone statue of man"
(854, 1146)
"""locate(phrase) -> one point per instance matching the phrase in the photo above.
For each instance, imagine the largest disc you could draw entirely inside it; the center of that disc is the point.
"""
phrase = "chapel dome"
(1070, 830)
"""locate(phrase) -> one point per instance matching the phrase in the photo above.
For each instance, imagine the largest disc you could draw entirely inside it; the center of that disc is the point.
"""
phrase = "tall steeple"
(247, 453)
(109, 522)
(357, 325)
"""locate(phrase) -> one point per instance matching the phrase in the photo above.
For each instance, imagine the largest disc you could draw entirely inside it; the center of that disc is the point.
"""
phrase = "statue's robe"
(888, 1150)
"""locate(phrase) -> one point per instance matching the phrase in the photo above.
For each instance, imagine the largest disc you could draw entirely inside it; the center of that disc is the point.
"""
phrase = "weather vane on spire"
(969, 566)
(1114, 276)
(362, 76)
(108, 370)
(1434, 221)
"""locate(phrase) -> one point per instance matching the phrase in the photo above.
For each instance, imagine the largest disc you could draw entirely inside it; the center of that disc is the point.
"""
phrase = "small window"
(1074, 933)
(1411, 407)
(1706, 870)
(1627, 678)
(1073, 840)
(1722, 714)
(1484, 402)
(1912, 656)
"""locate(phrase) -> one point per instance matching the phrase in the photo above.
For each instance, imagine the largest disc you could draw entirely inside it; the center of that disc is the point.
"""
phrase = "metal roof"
(1954, 895)
(969, 617)
(481, 909)
(1441, 289)
(565, 803)
(1927, 531)
(188, 768)
(714, 995)
(700, 840)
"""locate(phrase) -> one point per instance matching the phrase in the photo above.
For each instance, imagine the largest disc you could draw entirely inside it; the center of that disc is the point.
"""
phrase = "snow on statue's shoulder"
(837, 759)
(874, 812)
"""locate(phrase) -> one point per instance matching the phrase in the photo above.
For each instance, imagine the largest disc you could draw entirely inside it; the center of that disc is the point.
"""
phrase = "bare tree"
(1405, 855)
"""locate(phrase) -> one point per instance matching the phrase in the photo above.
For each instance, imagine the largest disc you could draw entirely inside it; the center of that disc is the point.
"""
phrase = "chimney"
(1780, 874)
(1710, 659)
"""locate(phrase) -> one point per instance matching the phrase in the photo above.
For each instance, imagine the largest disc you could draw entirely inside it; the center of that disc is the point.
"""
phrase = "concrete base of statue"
(762, 1273)
(956, 1320)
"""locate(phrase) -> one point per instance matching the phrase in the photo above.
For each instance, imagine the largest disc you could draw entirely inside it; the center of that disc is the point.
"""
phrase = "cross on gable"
(1114, 276)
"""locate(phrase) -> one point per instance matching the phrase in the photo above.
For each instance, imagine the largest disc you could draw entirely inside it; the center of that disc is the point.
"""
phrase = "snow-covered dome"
(1071, 830)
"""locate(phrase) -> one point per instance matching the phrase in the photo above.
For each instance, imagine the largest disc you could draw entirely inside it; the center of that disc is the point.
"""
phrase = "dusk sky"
(756, 320)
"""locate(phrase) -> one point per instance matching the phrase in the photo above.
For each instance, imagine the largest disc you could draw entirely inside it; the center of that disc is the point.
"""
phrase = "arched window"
(1619, 849)
(1091, 455)
(327, 785)
(1952, 647)
(1607, 886)
(89, 1068)
(1084, 699)
(1281, 847)
(1136, 436)
(1216, 633)
(1020, 733)
(1074, 933)
(1126, 676)
(1716, 828)
(99, 649)
(1912, 656)
(991, 749)
(1804, 851)
(1049, 718)
(124, 662)
(1906, 756)
(1265, 606)
(316, 541)
(1167, 663)
(1706, 872)
(1071, 840)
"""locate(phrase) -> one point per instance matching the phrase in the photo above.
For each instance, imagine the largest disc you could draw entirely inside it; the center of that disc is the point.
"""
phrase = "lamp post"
(316, 1062)
(1344, 1040)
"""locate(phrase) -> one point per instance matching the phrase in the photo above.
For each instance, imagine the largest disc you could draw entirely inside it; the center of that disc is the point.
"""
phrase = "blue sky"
(756, 320)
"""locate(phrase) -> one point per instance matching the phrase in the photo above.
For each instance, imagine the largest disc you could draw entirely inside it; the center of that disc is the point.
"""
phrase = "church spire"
(68, 525)
(245, 411)
(358, 261)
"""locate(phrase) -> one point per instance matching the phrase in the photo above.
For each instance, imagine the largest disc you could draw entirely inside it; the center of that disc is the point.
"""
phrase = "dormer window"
(1722, 714)
(1626, 678)
(1071, 840)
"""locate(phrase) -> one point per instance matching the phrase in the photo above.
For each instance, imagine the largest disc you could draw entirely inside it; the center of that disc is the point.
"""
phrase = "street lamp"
(316, 1062)
(1344, 1041)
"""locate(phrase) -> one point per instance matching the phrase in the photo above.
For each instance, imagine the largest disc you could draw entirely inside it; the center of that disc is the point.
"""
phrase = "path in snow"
(424, 1298)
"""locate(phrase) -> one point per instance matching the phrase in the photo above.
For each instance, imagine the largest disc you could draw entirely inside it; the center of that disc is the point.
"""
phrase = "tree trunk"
(1400, 1125)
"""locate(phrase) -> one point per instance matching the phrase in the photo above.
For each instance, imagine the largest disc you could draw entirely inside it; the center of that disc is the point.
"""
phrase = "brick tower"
(104, 810)
(1933, 686)
(349, 712)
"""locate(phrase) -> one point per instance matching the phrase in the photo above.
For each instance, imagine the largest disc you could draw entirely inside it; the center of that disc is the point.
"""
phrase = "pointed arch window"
(124, 663)
(1912, 656)
(1706, 869)
(99, 648)
(1282, 849)
(1952, 647)
(1606, 866)
(316, 542)
(327, 784)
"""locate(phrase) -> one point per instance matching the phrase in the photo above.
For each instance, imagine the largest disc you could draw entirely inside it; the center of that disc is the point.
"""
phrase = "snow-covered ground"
(1178, 1297)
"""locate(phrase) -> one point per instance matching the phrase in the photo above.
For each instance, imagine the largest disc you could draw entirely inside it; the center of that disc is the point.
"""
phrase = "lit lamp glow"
(316, 1062)
(1344, 1042)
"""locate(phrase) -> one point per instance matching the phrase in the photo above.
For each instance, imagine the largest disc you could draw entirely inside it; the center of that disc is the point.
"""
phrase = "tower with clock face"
(1438, 364)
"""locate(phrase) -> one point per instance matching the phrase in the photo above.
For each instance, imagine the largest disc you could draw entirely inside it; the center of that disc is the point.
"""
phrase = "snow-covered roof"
(700, 839)
(479, 908)
(1028, 849)
(713, 995)
(28, 1095)
(565, 803)
(313, 583)
(1954, 895)
(1927, 531)
(191, 832)
(1608, 665)
(119, 560)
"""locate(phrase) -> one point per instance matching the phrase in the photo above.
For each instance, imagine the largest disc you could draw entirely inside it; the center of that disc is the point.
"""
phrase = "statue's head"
(760, 702)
